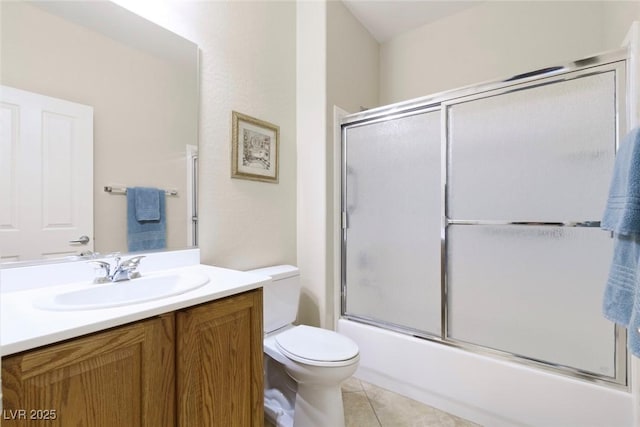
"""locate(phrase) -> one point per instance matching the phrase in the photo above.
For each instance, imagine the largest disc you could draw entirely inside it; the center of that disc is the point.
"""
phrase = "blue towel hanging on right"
(621, 302)
(146, 219)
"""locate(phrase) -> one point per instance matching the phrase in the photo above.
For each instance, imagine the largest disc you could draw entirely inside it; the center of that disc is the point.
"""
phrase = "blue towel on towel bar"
(621, 303)
(147, 203)
(145, 235)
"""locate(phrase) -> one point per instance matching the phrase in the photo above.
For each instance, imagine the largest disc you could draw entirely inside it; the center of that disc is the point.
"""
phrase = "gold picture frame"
(254, 149)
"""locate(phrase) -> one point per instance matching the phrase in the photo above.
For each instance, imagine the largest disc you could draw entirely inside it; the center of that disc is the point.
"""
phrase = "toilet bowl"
(304, 365)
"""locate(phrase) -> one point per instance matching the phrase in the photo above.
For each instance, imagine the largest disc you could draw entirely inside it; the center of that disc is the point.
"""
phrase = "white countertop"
(23, 327)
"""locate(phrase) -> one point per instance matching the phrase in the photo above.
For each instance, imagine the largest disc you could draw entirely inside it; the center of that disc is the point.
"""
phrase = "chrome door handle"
(83, 240)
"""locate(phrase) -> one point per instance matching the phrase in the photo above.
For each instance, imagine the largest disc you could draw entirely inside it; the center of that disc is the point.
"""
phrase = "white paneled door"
(46, 176)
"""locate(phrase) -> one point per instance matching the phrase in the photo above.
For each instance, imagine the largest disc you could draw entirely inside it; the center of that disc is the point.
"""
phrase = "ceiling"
(386, 19)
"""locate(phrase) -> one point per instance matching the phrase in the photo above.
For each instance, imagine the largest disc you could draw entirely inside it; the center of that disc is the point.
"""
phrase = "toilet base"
(319, 397)
(314, 392)
(318, 406)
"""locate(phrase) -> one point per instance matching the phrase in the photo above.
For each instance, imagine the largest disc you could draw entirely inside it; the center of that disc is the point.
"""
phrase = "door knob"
(83, 240)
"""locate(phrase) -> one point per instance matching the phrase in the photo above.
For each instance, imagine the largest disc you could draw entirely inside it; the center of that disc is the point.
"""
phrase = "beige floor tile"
(358, 411)
(366, 405)
(394, 410)
(352, 384)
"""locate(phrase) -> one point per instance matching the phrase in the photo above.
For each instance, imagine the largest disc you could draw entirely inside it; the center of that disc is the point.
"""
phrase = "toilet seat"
(316, 346)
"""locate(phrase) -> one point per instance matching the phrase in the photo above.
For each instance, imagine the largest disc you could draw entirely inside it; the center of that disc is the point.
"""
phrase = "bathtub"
(489, 391)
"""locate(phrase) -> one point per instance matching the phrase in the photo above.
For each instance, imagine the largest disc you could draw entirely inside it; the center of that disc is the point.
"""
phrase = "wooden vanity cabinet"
(119, 377)
(197, 367)
(219, 374)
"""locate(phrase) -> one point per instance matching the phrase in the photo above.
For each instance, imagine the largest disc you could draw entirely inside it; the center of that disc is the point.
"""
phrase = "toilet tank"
(280, 296)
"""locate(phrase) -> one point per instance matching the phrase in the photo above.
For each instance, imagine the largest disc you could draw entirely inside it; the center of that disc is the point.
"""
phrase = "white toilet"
(304, 366)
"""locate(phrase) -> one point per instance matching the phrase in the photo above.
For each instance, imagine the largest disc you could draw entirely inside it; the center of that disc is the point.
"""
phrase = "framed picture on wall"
(254, 149)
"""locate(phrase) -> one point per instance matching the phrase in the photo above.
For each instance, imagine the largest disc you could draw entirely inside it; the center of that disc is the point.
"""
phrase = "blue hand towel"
(621, 302)
(145, 235)
(147, 203)
(620, 291)
(622, 214)
(633, 334)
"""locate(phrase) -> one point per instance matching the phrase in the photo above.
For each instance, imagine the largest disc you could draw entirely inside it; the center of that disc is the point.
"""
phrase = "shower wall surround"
(471, 217)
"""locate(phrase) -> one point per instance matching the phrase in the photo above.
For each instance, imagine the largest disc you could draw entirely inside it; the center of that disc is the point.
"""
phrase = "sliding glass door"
(527, 177)
(473, 219)
(392, 198)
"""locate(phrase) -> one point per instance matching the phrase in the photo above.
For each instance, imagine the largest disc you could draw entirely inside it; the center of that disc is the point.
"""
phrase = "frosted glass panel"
(393, 206)
(532, 291)
(541, 154)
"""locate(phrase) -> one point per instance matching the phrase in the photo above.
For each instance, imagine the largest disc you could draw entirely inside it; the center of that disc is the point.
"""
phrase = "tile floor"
(366, 405)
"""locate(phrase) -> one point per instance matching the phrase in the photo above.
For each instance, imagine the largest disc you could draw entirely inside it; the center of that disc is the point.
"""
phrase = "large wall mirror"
(140, 82)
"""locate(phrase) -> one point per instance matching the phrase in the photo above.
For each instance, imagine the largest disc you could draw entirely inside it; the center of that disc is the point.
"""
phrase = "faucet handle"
(115, 255)
(133, 262)
(102, 271)
(131, 265)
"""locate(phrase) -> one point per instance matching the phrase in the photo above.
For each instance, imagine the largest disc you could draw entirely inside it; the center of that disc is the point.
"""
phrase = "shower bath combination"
(471, 219)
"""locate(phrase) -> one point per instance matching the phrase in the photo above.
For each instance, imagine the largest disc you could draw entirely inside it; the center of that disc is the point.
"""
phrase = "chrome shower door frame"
(594, 68)
(442, 102)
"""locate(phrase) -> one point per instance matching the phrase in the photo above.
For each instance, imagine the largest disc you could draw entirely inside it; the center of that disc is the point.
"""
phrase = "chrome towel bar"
(122, 190)
(585, 224)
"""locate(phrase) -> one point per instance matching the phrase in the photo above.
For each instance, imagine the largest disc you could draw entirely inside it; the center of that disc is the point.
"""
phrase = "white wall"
(248, 64)
(498, 39)
(312, 197)
(617, 17)
(352, 61)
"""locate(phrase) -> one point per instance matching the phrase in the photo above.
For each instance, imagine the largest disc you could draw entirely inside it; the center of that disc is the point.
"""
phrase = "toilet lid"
(316, 344)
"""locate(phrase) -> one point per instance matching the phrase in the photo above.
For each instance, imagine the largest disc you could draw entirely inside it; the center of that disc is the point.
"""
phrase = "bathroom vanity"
(193, 359)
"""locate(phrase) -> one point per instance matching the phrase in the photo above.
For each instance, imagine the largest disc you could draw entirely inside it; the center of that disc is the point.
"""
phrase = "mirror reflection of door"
(46, 176)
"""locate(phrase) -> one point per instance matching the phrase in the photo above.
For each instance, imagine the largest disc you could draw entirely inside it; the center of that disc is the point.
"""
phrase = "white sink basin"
(146, 288)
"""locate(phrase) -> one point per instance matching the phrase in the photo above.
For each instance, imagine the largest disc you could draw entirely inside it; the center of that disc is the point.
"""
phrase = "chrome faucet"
(127, 269)
(122, 270)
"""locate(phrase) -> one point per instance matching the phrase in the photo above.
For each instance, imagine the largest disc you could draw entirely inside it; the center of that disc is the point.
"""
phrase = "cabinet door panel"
(122, 377)
(219, 366)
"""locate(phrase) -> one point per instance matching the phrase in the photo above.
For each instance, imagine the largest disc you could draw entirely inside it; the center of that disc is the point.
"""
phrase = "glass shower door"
(472, 218)
(527, 178)
(392, 235)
